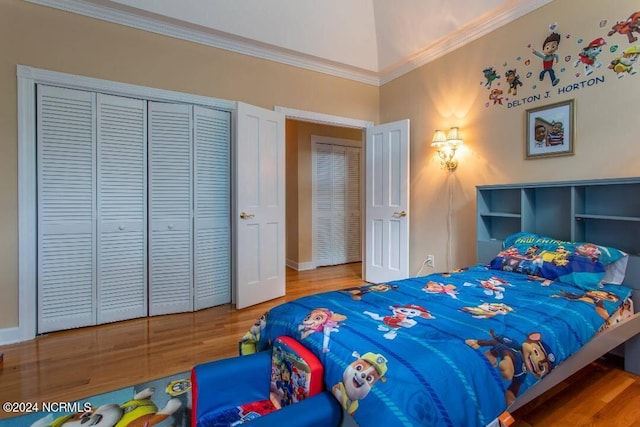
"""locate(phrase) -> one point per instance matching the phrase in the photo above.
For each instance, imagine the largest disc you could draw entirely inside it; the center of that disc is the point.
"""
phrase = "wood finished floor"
(76, 364)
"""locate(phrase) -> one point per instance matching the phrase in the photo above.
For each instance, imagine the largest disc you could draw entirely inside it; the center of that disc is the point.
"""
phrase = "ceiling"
(373, 41)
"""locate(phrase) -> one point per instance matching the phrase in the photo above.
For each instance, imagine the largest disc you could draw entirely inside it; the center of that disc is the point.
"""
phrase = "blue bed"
(447, 349)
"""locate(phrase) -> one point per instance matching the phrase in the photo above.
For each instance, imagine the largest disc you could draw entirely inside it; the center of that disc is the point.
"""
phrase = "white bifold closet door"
(212, 208)
(336, 204)
(189, 208)
(122, 208)
(91, 208)
(170, 206)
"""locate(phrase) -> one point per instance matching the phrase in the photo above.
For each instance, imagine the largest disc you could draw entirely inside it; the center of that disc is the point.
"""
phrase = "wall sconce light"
(447, 146)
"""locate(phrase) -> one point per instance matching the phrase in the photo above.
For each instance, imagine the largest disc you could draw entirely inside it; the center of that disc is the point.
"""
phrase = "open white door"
(259, 215)
(387, 202)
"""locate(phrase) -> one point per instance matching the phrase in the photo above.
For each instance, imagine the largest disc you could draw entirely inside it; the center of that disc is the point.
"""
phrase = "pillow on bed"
(578, 263)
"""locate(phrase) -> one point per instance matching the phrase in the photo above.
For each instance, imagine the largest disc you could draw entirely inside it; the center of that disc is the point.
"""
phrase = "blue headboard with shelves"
(603, 211)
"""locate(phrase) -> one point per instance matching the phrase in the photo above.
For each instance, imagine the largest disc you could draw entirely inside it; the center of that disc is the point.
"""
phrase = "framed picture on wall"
(550, 130)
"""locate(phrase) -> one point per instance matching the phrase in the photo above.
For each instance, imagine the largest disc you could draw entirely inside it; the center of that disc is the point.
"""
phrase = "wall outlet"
(431, 261)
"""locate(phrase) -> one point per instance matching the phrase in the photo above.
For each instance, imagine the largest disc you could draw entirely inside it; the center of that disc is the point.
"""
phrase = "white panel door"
(260, 205)
(212, 209)
(66, 208)
(122, 208)
(170, 208)
(387, 202)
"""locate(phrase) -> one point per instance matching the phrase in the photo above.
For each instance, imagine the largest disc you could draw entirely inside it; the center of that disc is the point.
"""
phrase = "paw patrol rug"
(162, 402)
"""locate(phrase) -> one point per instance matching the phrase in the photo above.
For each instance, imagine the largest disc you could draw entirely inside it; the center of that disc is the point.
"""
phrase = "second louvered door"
(212, 217)
(170, 208)
(122, 208)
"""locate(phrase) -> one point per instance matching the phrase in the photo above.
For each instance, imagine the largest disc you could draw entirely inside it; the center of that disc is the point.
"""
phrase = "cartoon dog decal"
(249, 342)
(513, 78)
(440, 288)
(487, 310)
(628, 27)
(402, 317)
(595, 297)
(360, 291)
(358, 379)
(493, 286)
(516, 360)
(321, 320)
(141, 411)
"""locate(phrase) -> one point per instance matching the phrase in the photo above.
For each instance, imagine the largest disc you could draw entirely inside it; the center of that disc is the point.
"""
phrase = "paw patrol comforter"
(448, 349)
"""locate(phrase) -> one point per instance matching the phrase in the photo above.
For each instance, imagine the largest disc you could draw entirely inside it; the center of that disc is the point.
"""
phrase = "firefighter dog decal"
(358, 379)
(516, 360)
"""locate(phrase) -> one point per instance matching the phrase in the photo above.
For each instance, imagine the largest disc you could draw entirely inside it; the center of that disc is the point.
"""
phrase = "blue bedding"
(451, 349)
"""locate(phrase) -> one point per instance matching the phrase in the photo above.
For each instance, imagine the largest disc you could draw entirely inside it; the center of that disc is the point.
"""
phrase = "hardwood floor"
(75, 364)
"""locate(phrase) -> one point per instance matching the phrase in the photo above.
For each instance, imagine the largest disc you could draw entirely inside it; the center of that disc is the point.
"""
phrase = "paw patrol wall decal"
(558, 63)
(589, 56)
(628, 27)
(549, 57)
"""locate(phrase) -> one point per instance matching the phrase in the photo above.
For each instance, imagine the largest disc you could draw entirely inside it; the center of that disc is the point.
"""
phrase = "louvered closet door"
(66, 207)
(353, 201)
(212, 192)
(336, 205)
(322, 205)
(122, 208)
(170, 206)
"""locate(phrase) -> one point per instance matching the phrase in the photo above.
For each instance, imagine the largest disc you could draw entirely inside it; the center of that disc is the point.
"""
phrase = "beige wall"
(299, 186)
(448, 92)
(50, 39)
(443, 93)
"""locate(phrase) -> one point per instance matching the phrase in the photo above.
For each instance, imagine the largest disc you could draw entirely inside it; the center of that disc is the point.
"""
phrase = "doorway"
(299, 186)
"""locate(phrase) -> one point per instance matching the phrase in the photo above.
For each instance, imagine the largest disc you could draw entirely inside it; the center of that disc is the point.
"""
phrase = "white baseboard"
(9, 335)
(301, 266)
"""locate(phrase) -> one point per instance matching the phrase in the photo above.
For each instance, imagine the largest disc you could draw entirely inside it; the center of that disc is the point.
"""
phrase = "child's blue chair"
(280, 386)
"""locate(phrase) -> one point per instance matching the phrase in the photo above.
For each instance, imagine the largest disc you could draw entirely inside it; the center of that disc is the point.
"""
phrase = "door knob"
(245, 215)
(399, 214)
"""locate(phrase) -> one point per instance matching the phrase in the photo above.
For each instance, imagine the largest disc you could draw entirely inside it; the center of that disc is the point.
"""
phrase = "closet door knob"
(121, 227)
(245, 215)
(399, 214)
(170, 226)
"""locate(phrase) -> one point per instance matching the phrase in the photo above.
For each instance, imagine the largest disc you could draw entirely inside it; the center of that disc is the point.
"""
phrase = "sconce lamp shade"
(439, 138)
(454, 137)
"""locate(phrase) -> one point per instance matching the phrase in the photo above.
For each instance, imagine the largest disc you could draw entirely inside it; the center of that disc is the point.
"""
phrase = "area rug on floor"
(163, 402)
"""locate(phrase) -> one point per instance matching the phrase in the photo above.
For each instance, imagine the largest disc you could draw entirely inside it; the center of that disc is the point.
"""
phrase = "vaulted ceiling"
(373, 41)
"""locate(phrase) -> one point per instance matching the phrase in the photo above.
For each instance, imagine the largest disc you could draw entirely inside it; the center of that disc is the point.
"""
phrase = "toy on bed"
(282, 386)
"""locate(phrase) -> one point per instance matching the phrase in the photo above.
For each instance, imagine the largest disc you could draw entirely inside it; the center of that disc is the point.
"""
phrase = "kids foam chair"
(280, 386)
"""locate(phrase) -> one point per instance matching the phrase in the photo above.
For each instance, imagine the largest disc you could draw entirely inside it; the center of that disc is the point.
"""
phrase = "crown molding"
(236, 44)
(470, 32)
(221, 40)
